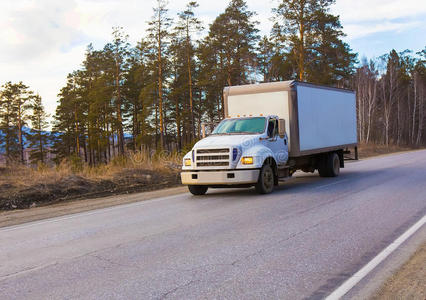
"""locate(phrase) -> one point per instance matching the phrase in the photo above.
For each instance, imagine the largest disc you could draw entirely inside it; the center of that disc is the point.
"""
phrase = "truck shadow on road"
(310, 183)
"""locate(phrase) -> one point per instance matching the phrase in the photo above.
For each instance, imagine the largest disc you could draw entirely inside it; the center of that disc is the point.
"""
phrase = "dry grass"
(20, 175)
(409, 282)
(140, 160)
(369, 150)
(22, 186)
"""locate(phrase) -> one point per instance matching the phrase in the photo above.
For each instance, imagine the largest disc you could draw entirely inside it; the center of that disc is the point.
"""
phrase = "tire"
(265, 183)
(329, 165)
(322, 165)
(334, 165)
(198, 190)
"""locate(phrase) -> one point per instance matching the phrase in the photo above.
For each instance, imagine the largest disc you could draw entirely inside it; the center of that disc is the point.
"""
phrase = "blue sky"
(379, 43)
(41, 41)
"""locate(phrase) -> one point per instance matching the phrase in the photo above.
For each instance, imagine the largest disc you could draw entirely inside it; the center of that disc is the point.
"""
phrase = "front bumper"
(224, 177)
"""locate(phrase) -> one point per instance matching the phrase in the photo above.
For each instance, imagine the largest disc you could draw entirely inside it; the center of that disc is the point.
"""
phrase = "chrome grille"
(212, 157)
(221, 150)
(212, 164)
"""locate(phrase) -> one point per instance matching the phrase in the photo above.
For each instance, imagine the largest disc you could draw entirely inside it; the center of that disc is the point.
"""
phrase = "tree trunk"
(77, 139)
(371, 105)
(188, 50)
(20, 139)
(421, 115)
(134, 127)
(414, 109)
(156, 126)
(178, 125)
(160, 83)
(398, 122)
(40, 140)
(118, 108)
(301, 53)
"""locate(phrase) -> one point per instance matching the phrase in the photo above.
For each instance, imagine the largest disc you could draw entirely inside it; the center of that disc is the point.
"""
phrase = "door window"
(272, 128)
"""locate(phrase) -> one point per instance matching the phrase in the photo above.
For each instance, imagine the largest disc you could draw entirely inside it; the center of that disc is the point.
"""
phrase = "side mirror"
(281, 127)
(203, 130)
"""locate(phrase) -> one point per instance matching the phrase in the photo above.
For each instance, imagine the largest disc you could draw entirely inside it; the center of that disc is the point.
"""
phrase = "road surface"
(303, 240)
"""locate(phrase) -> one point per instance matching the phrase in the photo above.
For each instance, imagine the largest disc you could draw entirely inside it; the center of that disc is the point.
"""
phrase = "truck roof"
(275, 86)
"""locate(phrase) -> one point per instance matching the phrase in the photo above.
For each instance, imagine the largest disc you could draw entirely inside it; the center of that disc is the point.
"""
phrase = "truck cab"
(238, 152)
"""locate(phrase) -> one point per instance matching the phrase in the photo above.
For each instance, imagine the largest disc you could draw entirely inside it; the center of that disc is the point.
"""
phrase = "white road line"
(86, 213)
(351, 282)
(333, 183)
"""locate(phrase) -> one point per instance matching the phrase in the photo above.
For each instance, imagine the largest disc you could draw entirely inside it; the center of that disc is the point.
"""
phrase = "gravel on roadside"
(409, 282)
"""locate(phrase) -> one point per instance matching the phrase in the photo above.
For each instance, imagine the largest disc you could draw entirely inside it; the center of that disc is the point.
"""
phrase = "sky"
(41, 41)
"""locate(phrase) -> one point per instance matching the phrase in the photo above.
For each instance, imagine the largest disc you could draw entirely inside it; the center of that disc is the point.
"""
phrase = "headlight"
(187, 162)
(247, 160)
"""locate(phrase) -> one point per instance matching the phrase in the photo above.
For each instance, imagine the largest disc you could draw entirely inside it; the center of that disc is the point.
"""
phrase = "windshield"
(243, 125)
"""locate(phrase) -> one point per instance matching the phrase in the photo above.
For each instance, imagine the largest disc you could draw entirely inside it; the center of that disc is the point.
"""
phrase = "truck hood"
(228, 141)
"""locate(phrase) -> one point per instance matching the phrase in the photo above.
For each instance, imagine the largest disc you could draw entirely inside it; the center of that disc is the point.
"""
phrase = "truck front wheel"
(198, 190)
(265, 184)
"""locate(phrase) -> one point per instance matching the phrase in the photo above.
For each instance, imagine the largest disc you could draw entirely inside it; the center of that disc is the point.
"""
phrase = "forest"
(154, 96)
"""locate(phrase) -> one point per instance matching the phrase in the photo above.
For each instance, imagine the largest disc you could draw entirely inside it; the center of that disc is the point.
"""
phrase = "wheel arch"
(271, 161)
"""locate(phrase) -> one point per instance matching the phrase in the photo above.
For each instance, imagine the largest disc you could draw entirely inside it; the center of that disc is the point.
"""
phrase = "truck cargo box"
(318, 118)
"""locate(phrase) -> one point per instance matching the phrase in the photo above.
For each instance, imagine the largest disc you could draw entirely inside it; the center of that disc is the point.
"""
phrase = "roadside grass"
(19, 174)
(369, 150)
(22, 186)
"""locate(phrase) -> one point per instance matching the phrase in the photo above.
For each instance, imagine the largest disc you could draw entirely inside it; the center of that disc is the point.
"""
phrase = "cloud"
(378, 10)
(355, 31)
(366, 17)
(34, 31)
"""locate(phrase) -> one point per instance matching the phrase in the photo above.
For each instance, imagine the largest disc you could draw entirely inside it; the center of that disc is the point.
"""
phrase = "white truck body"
(318, 122)
(318, 117)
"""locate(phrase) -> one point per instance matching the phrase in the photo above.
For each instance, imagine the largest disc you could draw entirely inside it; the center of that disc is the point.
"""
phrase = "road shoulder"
(401, 276)
(20, 216)
(409, 282)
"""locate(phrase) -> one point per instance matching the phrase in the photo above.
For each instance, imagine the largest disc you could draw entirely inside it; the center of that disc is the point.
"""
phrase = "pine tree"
(232, 40)
(187, 25)
(333, 62)
(39, 137)
(158, 39)
(312, 38)
(273, 63)
(119, 51)
(8, 117)
(66, 123)
(16, 102)
(265, 56)
(99, 69)
(179, 92)
(211, 81)
(138, 80)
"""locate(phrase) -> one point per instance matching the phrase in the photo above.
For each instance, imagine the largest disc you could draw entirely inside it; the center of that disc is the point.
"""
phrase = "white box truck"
(270, 131)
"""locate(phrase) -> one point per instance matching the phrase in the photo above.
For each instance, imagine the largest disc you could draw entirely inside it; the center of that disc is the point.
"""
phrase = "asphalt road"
(301, 241)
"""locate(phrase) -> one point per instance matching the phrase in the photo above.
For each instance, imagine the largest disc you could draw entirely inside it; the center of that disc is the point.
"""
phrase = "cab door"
(277, 144)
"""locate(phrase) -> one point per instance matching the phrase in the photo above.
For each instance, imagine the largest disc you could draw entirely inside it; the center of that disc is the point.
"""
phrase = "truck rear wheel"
(329, 165)
(198, 190)
(265, 184)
